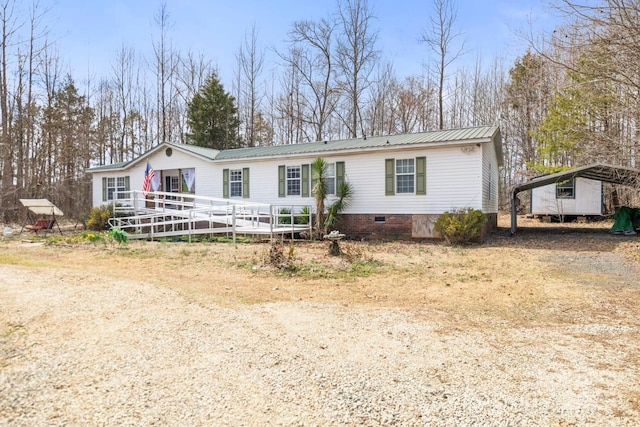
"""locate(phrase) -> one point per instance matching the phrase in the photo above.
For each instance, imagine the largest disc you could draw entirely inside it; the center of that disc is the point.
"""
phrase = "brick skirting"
(376, 227)
(396, 226)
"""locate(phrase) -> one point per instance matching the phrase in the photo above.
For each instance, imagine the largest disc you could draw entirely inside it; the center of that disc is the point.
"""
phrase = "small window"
(172, 184)
(566, 189)
(235, 183)
(111, 188)
(330, 178)
(116, 185)
(405, 175)
(294, 177)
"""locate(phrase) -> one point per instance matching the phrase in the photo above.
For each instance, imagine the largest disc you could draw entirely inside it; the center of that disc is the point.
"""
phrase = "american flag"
(148, 176)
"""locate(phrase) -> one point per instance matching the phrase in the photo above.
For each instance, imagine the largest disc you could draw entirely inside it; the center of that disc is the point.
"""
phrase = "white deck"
(161, 214)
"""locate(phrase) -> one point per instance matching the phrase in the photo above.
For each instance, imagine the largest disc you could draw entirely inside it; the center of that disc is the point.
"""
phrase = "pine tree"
(212, 117)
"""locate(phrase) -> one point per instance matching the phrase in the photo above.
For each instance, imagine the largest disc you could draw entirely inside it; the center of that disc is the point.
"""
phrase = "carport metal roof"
(598, 171)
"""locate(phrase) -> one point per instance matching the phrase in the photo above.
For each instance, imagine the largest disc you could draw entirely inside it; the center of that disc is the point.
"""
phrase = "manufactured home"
(401, 183)
(569, 198)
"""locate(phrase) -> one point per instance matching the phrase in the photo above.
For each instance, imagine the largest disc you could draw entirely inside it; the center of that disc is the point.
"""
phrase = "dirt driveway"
(539, 329)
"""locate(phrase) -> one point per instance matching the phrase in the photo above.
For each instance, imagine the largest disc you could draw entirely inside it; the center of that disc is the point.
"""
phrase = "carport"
(598, 171)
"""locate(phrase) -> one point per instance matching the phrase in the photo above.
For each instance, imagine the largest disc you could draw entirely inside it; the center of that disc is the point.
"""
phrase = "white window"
(116, 185)
(405, 176)
(235, 183)
(294, 178)
(330, 178)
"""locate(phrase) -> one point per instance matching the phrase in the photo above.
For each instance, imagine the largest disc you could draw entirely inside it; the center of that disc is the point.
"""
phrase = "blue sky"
(91, 32)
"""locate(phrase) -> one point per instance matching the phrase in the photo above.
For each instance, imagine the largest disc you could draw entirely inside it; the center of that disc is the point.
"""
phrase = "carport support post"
(514, 213)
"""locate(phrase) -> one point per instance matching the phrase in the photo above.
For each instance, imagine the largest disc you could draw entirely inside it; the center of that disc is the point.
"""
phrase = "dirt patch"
(539, 328)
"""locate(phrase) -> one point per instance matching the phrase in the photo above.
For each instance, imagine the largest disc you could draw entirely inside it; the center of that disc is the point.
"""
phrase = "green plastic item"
(626, 220)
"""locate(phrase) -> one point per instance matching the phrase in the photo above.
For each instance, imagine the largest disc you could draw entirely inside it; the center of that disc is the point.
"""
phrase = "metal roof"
(480, 134)
(109, 167)
(208, 153)
(465, 135)
(598, 171)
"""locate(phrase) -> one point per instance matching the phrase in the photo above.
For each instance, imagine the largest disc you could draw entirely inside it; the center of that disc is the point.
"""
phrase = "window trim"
(331, 178)
(235, 177)
(288, 180)
(405, 174)
(113, 185)
(563, 186)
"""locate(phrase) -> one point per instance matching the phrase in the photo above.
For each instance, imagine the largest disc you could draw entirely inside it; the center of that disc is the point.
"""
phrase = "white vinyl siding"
(489, 178)
(207, 175)
(454, 179)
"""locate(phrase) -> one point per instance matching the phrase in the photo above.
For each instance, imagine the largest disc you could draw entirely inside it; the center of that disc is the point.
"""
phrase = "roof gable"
(202, 152)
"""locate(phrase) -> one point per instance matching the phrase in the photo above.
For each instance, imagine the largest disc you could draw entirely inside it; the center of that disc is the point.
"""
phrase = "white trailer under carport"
(573, 197)
(597, 172)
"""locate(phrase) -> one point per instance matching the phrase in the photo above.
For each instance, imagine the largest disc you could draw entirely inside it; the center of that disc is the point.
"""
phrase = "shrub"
(119, 236)
(461, 226)
(298, 218)
(284, 216)
(92, 237)
(99, 217)
(304, 216)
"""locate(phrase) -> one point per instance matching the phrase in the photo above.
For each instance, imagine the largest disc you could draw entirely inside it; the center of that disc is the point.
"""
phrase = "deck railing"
(160, 214)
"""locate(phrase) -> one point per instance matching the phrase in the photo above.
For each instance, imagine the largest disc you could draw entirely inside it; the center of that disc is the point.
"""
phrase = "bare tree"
(381, 112)
(165, 64)
(357, 55)
(123, 80)
(441, 38)
(290, 106)
(8, 27)
(192, 74)
(250, 62)
(311, 55)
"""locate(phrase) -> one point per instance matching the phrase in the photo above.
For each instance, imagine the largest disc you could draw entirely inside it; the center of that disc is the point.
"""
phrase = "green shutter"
(305, 181)
(421, 176)
(390, 177)
(339, 174)
(127, 184)
(245, 183)
(281, 181)
(104, 189)
(225, 183)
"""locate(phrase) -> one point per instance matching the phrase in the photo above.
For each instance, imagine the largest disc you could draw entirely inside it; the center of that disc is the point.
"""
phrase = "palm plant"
(344, 192)
(318, 177)
(326, 218)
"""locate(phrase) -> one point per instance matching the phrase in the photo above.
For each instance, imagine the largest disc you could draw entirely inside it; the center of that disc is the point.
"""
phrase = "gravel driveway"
(78, 349)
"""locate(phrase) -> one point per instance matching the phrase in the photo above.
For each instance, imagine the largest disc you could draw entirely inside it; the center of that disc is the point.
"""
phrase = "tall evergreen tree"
(212, 117)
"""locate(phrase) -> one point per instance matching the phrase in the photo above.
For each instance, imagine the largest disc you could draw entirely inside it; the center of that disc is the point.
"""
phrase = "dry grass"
(535, 276)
